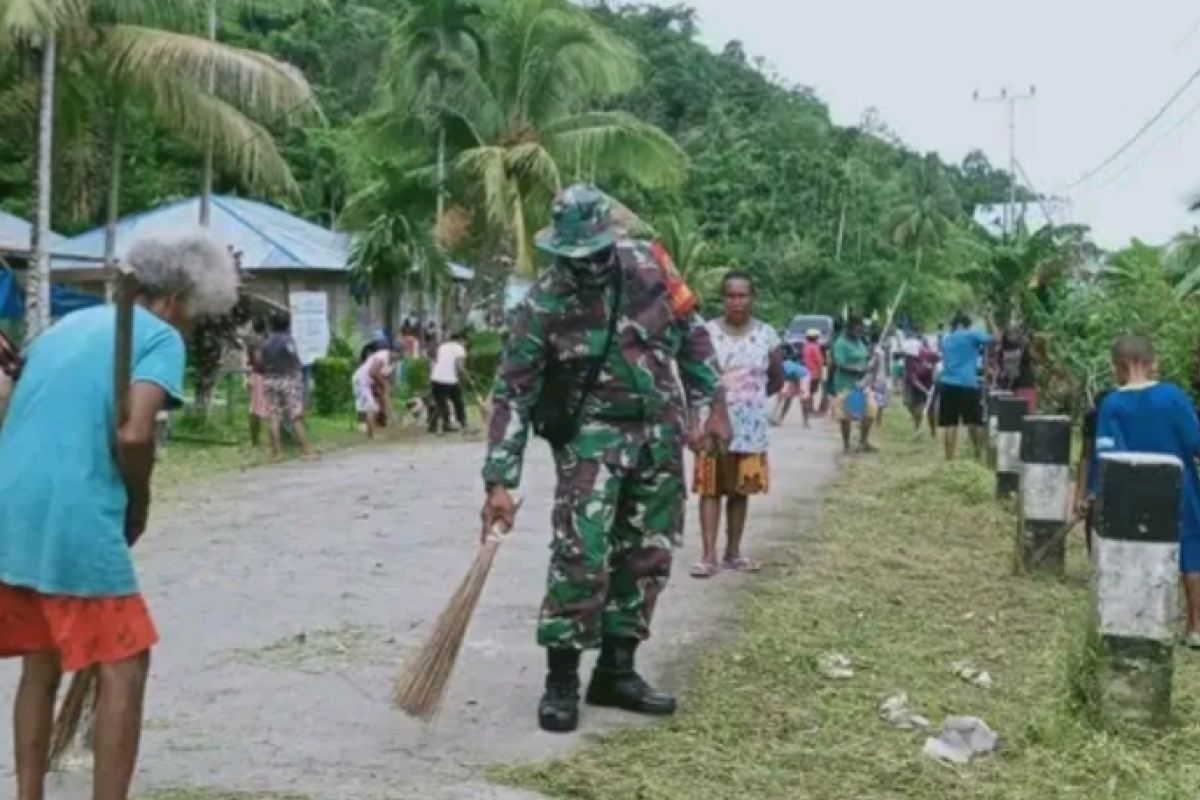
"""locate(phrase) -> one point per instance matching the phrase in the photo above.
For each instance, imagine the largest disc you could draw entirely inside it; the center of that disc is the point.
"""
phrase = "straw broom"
(79, 705)
(421, 685)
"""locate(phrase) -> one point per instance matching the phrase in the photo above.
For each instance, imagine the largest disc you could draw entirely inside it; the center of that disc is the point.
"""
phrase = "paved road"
(286, 596)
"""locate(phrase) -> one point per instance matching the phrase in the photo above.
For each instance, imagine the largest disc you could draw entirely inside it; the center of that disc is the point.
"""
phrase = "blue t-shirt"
(62, 499)
(960, 357)
(1156, 418)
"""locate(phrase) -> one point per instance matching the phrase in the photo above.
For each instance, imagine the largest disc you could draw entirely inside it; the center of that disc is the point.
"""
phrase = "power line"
(1185, 119)
(1136, 136)
(1187, 37)
(1041, 201)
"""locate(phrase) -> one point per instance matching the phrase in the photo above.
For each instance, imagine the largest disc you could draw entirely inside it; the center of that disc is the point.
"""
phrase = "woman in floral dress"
(751, 371)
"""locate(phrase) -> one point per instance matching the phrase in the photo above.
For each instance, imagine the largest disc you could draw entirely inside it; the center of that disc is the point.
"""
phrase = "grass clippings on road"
(337, 647)
(198, 793)
(911, 573)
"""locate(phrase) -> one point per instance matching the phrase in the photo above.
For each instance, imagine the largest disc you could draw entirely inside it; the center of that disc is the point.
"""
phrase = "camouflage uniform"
(619, 504)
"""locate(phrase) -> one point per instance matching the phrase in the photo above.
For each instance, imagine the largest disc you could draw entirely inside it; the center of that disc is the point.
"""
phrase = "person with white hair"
(75, 495)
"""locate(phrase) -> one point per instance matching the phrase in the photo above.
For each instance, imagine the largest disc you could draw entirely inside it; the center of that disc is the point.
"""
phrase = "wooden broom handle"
(126, 293)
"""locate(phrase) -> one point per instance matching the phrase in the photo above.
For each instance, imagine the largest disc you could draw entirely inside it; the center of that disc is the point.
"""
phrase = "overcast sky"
(1101, 67)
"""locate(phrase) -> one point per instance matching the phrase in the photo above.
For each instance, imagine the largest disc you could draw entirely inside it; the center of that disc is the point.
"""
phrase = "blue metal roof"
(268, 237)
(14, 233)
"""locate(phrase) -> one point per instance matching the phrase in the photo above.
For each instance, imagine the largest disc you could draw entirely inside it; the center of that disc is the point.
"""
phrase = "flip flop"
(703, 569)
(742, 564)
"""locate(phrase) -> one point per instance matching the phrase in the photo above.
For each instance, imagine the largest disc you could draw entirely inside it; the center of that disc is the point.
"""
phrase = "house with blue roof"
(281, 253)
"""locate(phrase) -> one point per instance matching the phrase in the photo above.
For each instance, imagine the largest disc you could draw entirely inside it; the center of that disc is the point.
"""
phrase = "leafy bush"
(332, 392)
(416, 377)
(483, 359)
(345, 342)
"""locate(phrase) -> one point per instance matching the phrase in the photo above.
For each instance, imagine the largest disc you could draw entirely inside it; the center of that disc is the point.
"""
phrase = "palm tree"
(36, 24)
(429, 50)
(529, 119)
(393, 249)
(197, 88)
(690, 252)
(1183, 261)
(925, 216)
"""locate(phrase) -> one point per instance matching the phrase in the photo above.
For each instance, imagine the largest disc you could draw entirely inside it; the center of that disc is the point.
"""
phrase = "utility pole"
(1010, 99)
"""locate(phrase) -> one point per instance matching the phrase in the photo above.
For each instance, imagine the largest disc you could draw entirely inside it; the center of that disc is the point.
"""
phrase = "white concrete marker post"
(991, 409)
(1010, 411)
(1045, 493)
(1135, 586)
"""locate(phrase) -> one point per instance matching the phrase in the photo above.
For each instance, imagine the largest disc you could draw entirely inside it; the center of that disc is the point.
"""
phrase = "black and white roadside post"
(1045, 493)
(1136, 586)
(1010, 411)
(991, 409)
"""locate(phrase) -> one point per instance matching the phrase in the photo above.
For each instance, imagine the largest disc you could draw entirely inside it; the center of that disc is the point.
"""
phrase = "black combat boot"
(616, 684)
(558, 712)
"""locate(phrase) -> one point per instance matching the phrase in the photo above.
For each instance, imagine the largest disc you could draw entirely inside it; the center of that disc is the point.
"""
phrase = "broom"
(421, 686)
(79, 704)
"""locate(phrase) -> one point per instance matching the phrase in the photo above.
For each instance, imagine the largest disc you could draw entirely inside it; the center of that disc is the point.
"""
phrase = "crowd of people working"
(278, 382)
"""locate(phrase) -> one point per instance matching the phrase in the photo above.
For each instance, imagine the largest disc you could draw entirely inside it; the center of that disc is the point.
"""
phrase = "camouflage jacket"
(637, 397)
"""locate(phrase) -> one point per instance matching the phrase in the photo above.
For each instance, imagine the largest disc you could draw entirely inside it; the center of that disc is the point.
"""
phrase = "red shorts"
(82, 630)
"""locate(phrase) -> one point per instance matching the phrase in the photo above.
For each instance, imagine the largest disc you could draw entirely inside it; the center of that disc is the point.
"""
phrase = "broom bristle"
(78, 704)
(421, 685)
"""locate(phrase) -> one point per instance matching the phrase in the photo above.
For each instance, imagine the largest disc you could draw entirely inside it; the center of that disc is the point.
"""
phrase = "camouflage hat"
(583, 223)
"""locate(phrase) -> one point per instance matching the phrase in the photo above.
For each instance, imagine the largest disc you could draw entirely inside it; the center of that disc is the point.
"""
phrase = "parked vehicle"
(801, 324)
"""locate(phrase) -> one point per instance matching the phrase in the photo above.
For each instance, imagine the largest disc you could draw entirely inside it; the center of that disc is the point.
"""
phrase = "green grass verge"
(911, 571)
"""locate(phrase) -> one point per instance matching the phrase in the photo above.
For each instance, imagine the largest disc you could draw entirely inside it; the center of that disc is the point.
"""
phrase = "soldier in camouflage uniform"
(619, 504)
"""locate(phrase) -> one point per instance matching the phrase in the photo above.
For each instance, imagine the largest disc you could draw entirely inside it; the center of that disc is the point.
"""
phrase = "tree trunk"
(441, 187)
(841, 232)
(114, 203)
(207, 181)
(918, 270)
(37, 295)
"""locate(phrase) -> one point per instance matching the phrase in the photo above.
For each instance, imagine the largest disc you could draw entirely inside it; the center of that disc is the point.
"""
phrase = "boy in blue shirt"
(960, 401)
(1146, 416)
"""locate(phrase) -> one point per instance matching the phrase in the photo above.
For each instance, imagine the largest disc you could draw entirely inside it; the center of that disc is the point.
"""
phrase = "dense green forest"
(438, 129)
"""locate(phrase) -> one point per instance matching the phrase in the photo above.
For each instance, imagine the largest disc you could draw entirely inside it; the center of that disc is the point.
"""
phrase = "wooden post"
(1136, 586)
(992, 410)
(1010, 411)
(126, 294)
(1045, 493)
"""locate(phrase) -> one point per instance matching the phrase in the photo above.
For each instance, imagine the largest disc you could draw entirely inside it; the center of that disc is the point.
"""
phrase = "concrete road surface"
(287, 596)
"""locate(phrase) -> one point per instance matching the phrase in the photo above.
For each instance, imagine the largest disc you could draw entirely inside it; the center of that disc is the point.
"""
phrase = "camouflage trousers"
(616, 522)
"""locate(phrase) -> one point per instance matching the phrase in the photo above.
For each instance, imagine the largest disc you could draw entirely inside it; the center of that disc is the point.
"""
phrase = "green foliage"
(484, 351)
(345, 343)
(1133, 294)
(332, 392)
(416, 376)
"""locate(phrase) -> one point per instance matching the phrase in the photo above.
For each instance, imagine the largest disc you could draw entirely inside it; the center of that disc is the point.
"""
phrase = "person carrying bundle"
(590, 366)
(75, 496)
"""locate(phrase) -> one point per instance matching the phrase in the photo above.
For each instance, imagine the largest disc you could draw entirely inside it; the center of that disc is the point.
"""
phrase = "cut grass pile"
(910, 573)
(350, 644)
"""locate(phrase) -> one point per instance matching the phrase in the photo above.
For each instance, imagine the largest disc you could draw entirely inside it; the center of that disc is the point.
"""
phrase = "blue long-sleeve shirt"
(1156, 418)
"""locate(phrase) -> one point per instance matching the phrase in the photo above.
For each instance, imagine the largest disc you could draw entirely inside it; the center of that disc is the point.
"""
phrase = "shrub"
(483, 359)
(332, 392)
(416, 377)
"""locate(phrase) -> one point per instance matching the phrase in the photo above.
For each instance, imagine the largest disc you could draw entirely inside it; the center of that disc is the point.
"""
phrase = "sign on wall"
(310, 324)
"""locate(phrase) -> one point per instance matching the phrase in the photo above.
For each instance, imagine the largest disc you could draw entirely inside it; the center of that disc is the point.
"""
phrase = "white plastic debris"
(895, 710)
(972, 674)
(962, 739)
(836, 666)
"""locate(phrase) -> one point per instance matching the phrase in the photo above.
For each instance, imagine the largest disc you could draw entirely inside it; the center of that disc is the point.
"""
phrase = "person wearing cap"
(591, 367)
(814, 362)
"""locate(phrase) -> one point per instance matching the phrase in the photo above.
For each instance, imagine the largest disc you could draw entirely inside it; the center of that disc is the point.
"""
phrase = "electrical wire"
(1170, 132)
(1120, 151)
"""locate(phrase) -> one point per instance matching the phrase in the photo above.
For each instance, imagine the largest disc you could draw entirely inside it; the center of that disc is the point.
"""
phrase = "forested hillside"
(825, 216)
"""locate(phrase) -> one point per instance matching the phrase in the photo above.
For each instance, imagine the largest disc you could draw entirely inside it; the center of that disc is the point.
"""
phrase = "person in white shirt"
(447, 368)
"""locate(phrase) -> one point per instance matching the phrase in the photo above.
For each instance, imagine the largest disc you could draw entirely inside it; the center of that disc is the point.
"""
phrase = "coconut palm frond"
(249, 79)
(244, 146)
(23, 20)
(623, 143)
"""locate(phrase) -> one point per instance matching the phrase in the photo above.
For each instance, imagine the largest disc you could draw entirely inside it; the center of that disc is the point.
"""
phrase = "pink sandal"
(704, 569)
